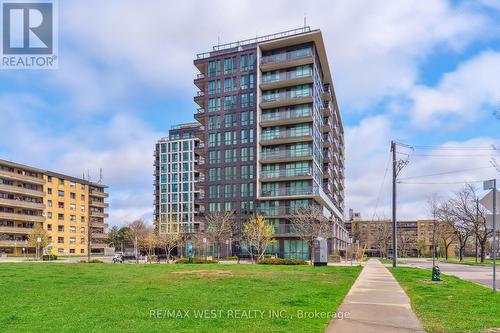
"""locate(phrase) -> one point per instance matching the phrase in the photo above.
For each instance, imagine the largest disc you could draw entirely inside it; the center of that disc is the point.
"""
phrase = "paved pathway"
(376, 303)
(477, 274)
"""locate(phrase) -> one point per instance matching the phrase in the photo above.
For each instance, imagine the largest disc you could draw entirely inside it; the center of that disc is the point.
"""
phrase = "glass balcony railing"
(289, 191)
(286, 95)
(284, 76)
(283, 115)
(284, 135)
(286, 56)
(287, 153)
(285, 173)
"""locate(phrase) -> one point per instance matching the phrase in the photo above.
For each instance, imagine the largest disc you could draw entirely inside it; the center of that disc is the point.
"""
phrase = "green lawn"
(52, 297)
(470, 261)
(454, 305)
(389, 261)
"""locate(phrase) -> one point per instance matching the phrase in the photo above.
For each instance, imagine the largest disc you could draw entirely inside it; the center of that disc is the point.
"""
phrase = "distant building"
(70, 209)
(415, 234)
(176, 179)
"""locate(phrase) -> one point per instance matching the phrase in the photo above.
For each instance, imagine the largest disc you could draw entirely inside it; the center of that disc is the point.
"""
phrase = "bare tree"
(149, 242)
(444, 233)
(310, 223)
(382, 238)
(259, 235)
(168, 242)
(137, 232)
(219, 226)
(452, 212)
(407, 241)
(471, 212)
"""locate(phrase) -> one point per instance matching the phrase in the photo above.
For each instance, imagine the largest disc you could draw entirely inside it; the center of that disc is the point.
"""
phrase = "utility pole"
(394, 223)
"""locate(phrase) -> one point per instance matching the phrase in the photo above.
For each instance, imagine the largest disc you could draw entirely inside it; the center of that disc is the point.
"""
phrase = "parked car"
(118, 257)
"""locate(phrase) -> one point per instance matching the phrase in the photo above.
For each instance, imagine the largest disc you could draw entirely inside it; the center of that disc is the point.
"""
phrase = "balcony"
(200, 98)
(16, 230)
(284, 98)
(287, 60)
(327, 140)
(199, 81)
(98, 224)
(284, 137)
(21, 204)
(289, 192)
(99, 194)
(21, 178)
(327, 173)
(99, 204)
(328, 126)
(327, 155)
(99, 235)
(286, 155)
(285, 118)
(21, 217)
(14, 243)
(280, 211)
(99, 214)
(283, 175)
(200, 149)
(327, 92)
(327, 109)
(285, 79)
(200, 114)
(21, 190)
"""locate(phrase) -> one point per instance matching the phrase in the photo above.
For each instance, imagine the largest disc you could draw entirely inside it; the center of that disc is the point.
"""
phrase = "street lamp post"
(492, 185)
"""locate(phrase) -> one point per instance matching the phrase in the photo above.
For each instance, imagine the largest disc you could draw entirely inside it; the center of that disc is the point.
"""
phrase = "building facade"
(415, 237)
(273, 133)
(177, 179)
(72, 210)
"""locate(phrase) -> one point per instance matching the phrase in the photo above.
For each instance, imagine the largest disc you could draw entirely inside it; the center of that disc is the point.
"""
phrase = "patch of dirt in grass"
(207, 272)
(491, 330)
(431, 282)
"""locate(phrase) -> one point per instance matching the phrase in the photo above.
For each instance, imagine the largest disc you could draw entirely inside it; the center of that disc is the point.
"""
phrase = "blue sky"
(421, 72)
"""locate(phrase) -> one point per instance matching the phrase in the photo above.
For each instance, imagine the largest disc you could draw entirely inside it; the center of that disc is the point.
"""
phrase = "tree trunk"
(446, 251)
(482, 251)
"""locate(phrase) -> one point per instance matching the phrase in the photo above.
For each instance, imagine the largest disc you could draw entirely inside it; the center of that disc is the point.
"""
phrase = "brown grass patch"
(206, 272)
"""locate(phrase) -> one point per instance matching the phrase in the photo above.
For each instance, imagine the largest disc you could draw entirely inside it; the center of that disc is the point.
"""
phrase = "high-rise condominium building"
(69, 208)
(176, 180)
(273, 133)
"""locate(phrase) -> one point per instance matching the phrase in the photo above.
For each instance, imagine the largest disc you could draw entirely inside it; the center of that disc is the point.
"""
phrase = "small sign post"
(492, 185)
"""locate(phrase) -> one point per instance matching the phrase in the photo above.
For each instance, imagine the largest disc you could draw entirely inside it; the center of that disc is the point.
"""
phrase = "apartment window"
(82, 251)
(61, 181)
(72, 229)
(72, 218)
(60, 193)
(71, 250)
(49, 179)
(60, 205)
(72, 184)
(82, 240)
(244, 63)
(49, 203)
(82, 230)
(72, 240)
(82, 208)
(60, 251)
(49, 215)
(227, 66)
(72, 207)
(82, 197)
(49, 191)
(72, 195)
(49, 227)
(60, 228)
(82, 219)
(60, 217)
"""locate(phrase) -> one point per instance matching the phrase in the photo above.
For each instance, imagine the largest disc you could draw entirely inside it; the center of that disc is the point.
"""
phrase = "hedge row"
(279, 261)
(196, 261)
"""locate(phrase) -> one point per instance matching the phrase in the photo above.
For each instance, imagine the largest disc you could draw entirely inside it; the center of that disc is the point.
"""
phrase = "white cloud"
(461, 95)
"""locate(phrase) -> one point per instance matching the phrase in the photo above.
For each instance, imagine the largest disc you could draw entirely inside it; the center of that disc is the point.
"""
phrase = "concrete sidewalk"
(376, 303)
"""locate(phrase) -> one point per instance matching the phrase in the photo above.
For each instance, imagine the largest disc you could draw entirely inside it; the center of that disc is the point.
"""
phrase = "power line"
(446, 172)
(381, 186)
(454, 155)
(440, 183)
